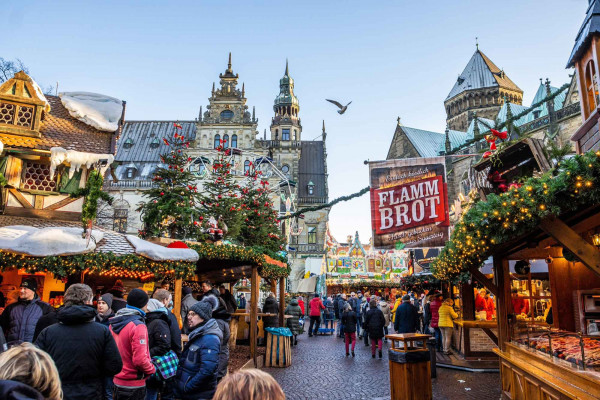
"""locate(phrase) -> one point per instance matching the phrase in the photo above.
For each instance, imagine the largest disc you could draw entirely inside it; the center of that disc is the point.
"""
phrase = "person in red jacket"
(520, 305)
(434, 307)
(490, 306)
(301, 304)
(131, 335)
(316, 305)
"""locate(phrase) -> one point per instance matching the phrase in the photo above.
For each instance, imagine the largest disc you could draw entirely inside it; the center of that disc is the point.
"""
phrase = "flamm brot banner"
(409, 203)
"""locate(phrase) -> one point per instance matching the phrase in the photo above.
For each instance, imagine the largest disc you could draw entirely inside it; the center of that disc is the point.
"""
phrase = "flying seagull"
(342, 109)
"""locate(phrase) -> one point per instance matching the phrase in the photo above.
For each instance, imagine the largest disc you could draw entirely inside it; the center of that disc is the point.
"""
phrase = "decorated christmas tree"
(172, 207)
(220, 201)
(260, 226)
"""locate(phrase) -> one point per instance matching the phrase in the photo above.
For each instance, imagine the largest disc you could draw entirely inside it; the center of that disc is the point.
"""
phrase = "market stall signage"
(409, 203)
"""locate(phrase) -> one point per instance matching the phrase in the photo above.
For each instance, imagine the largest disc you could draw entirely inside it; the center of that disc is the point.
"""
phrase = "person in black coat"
(271, 307)
(407, 317)
(84, 351)
(374, 323)
(349, 321)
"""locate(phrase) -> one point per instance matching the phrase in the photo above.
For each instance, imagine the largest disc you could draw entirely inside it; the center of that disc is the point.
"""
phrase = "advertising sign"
(409, 203)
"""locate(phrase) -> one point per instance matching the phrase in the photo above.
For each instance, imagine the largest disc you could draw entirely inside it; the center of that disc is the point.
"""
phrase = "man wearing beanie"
(196, 377)
(105, 311)
(19, 319)
(407, 317)
(131, 335)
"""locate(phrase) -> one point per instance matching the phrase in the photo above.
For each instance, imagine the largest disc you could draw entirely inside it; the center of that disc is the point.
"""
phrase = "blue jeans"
(438, 338)
(340, 328)
(358, 319)
(107, 384)
(151, 393)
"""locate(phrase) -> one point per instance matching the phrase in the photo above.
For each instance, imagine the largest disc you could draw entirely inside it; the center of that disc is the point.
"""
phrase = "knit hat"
(212, 301)
(108, 299)
(406, 298)
(29, 283)
(187, 290)
(137, 298)
(118, 286)
(203, 309)
(154, 305)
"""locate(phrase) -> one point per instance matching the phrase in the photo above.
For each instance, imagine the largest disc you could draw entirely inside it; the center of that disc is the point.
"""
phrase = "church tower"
(285, 125)
(480, 88)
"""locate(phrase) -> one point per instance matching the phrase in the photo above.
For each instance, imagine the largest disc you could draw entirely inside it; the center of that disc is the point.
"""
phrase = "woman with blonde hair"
(28, 372)
(249, 384)
(445, 322)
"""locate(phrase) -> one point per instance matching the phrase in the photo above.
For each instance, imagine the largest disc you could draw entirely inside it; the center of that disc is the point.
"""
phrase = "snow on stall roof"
(76, 159)
(51, 241)
(159, 253)
(40, 93)
(97, 110)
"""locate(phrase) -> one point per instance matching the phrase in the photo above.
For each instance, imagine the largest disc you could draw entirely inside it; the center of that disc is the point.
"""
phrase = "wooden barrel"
(279, 351)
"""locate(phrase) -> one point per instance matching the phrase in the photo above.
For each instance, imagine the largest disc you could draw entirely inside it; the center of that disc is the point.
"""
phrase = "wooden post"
(503, 300)
(177, 300)
(273, 283)
(281, 301)
(468, 302)
(254, 291)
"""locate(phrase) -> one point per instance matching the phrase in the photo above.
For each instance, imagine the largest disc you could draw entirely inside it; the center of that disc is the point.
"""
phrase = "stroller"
(327, 322)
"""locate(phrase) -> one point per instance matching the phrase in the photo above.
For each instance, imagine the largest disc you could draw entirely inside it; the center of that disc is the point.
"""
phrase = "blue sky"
(391, 58)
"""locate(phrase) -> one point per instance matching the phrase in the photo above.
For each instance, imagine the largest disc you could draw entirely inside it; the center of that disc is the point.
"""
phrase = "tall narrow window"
(217, 140)
(120, 220)
(234, 141)
(285, 134)
(591, 86)
(225, 141)
(246, 167)
(312, 235)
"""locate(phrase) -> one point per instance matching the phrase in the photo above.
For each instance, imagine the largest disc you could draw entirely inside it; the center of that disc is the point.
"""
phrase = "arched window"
(217, 141)
(234, 141)
(591, 86)
(246, 167)
(225, 141)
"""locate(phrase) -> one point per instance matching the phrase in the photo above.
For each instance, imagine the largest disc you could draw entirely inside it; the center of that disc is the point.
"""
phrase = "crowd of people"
(109, 347)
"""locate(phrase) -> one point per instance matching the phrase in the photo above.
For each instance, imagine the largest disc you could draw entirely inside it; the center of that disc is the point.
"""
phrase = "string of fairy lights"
(487, 224)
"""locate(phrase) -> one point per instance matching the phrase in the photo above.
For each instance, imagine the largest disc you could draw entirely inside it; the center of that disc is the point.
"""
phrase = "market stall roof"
(42, 237)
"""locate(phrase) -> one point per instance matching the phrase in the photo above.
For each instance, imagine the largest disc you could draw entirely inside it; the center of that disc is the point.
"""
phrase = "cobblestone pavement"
(320, 370)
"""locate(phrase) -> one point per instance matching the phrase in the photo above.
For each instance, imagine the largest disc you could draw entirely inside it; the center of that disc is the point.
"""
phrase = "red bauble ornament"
(177, 245)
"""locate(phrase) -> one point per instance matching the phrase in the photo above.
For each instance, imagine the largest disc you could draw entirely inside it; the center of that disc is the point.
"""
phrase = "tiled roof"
(429, 144)
(514, 109)
(60, 129)
(591, 24)
(112, 241)
(311, 168)
(559, 100)
(479, 73)
(143, 133)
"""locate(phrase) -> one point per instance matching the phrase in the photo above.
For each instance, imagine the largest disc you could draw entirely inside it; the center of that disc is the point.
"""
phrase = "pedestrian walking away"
(159, 343)
(293, 323)
(92, 343)
(407, 317)
(349, 320)
(445, 323)
(131, 335)
(387, 314)
(316, 305)
(434, 307)
(374, 323)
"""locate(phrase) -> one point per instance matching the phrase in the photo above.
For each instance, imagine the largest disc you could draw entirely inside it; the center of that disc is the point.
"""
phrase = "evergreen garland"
(330, 204)
(91, 194)
(510, 120)
(573, 185)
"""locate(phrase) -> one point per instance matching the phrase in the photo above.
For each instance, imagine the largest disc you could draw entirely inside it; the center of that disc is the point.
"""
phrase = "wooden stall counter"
(528, 375)
(476, 339)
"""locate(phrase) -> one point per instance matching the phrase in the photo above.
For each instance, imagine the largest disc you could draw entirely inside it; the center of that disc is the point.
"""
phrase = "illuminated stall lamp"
(128, 274)
(596, 239)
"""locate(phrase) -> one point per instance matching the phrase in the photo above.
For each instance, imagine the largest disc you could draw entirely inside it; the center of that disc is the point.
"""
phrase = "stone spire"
(324, 133)
(447, 144)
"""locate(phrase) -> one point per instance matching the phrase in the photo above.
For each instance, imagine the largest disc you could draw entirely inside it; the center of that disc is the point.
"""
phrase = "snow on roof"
(76, 159)
(50, 241)
(159, 253)
(97, 110)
